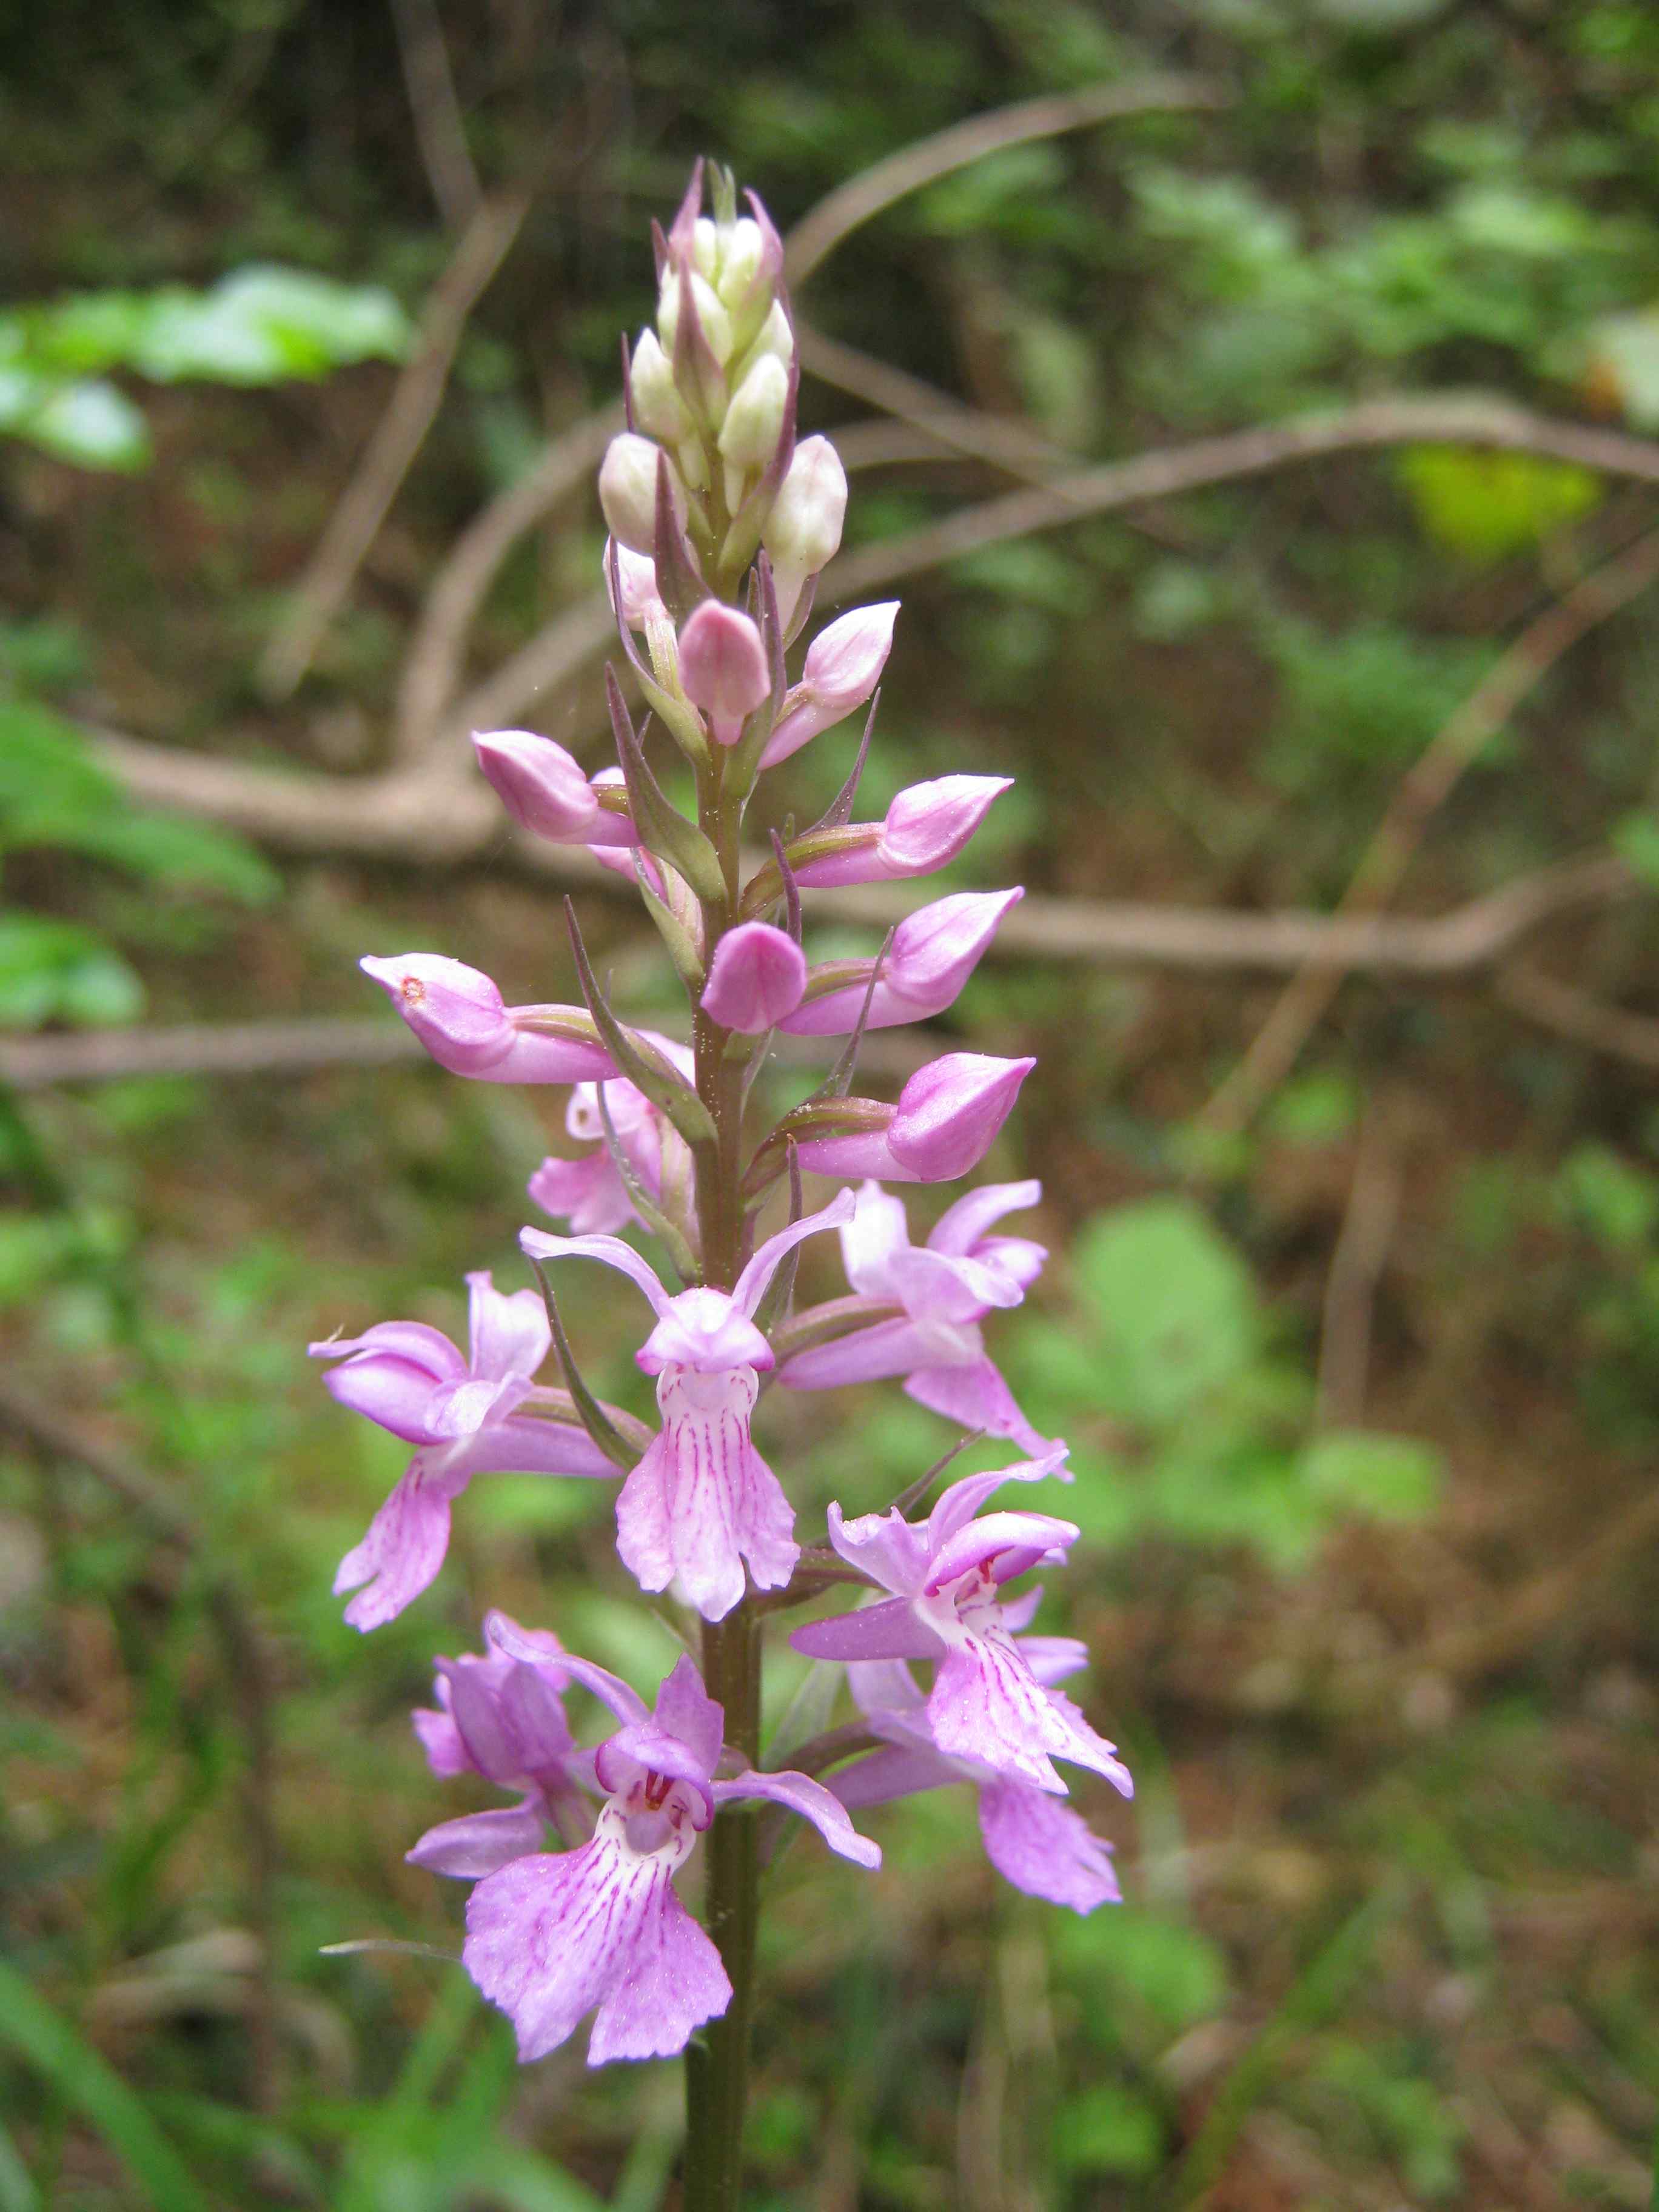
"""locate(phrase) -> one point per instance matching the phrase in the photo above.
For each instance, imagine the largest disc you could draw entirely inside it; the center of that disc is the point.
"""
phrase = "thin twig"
(399, 436)
(1571, 1014)
(439, 129)
(247, 1669)
(1356, 1264)
(1418, 798)
(834, 218)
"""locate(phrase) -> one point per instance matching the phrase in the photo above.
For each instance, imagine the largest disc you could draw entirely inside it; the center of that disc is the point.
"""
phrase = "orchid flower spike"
(552, 1936)
(503, 1717)
(934, 952)
(947, 1576)
(944, 1288)
(1030, 1837)
(459, 1015)
(702, 1500)
(462, 1414)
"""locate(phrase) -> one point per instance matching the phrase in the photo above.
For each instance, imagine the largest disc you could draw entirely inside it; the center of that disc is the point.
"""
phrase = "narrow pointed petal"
(404, 1548)
(587, 1194)
(507, 1635)
(957, 1505)
(872, 1239)
(479, 1843)
(1046, 1849)
(446, 1754)
(961, 1226)
(884, 1546)
(978, 1398)
(392, 1392)
(685, 1707)
(894, 1771)
(751, 1283)
(889, 1630)
(611, 1249)
(863, 1355)
(813, 1803)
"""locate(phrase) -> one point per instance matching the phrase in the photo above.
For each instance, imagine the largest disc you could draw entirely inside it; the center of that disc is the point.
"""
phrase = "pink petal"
(751, 1283)
(587, 1194)
(404, 1548)
(509, 1331)
(872, 1240)
(550, 1937)
(884, 1546)
(889, 1630)
(992, 1539)
(813, 1803)
(446, 1754)
(478, 1843)
(611, 1249)
(756, 977)
(685, 1707)
(976, 1397)
(1046, 1849)
(961, 1226)
(389, 1392)
(863, 1355)
(985, 1706)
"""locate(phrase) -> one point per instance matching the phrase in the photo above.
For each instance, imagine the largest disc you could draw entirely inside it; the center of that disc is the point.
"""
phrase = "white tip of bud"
(705, 248)
(740, 262)
(658, 408)
(628, 491)
(754, 421)
(803, 531)
(716, 322)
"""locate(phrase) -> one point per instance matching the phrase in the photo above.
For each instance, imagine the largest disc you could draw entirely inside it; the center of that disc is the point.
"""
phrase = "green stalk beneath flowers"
(717, 2059)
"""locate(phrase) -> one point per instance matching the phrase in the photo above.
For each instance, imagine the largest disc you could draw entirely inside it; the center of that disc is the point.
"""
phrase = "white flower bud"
(775, 336)
(628, 491)
(658, 408)
(706, 248)
(716, 322)
(804, 528)
(754, 421)
(740, 261)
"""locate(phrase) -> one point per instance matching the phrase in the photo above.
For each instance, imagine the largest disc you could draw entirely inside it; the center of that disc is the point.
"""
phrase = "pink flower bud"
(803, 531)
(757, 977)
(934, 952)
(946, 1120)
(844, 664)
(628, 491)
(723, 667)
(926, 826)
(457, 1015)
(636, 573)
(545, 791)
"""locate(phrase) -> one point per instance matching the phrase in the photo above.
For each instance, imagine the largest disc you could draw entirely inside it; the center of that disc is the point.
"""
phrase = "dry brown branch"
(1357, 1265)
(1433, 419)
(299, 1047)
(1556, 1006)
(248, 1680)
(835, 217)
(433, 667)
(439, 129)
(399, 436)
(1418, 798)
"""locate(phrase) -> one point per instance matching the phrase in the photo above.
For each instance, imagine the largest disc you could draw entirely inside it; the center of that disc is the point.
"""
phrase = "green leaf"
(1486, 506)
(87, 422)
(1390, 1478)
(159, 848)
(44, 2040)
(263, 325)
(1174, 1304)
(1636, 841)
(1108, 2129)
(1617, 1203)
(52, 970)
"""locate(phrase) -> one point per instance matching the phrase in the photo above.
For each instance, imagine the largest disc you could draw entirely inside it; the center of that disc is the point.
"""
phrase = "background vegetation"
(1353, 1310)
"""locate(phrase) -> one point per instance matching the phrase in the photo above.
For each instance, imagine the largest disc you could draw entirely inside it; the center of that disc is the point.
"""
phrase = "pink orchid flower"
(552, 1936)
(463, 1414)
(703, 1501)
(946, 1287)
(947, 1576)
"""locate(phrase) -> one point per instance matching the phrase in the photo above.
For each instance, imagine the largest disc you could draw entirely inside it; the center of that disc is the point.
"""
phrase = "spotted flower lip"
(944, 1288)
(1035, 1842)
(701, 1504)
(552, 1937)
(947, 1575)
(462, 1413)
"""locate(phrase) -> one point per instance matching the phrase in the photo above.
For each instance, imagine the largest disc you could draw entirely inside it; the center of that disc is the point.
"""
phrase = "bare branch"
(439, 129)
(399, 436)
(1418, 797)
(1357, 1265)
(1556, 1006)
(1434, 419)
(818, 234)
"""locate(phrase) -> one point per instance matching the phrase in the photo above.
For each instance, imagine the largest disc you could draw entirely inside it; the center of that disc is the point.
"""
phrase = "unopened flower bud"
(457, 1015)
(946, 1120)
(546, 791)
(803, 531)
(658, 408)
(775, 336)
(934, 952)
(743, 251)
(628, 491)
(705, 247)
(926, 826)
(716, 322)
(757, 977)
(636, 579)
(723, 667)
(754, 421)
(843, 663)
